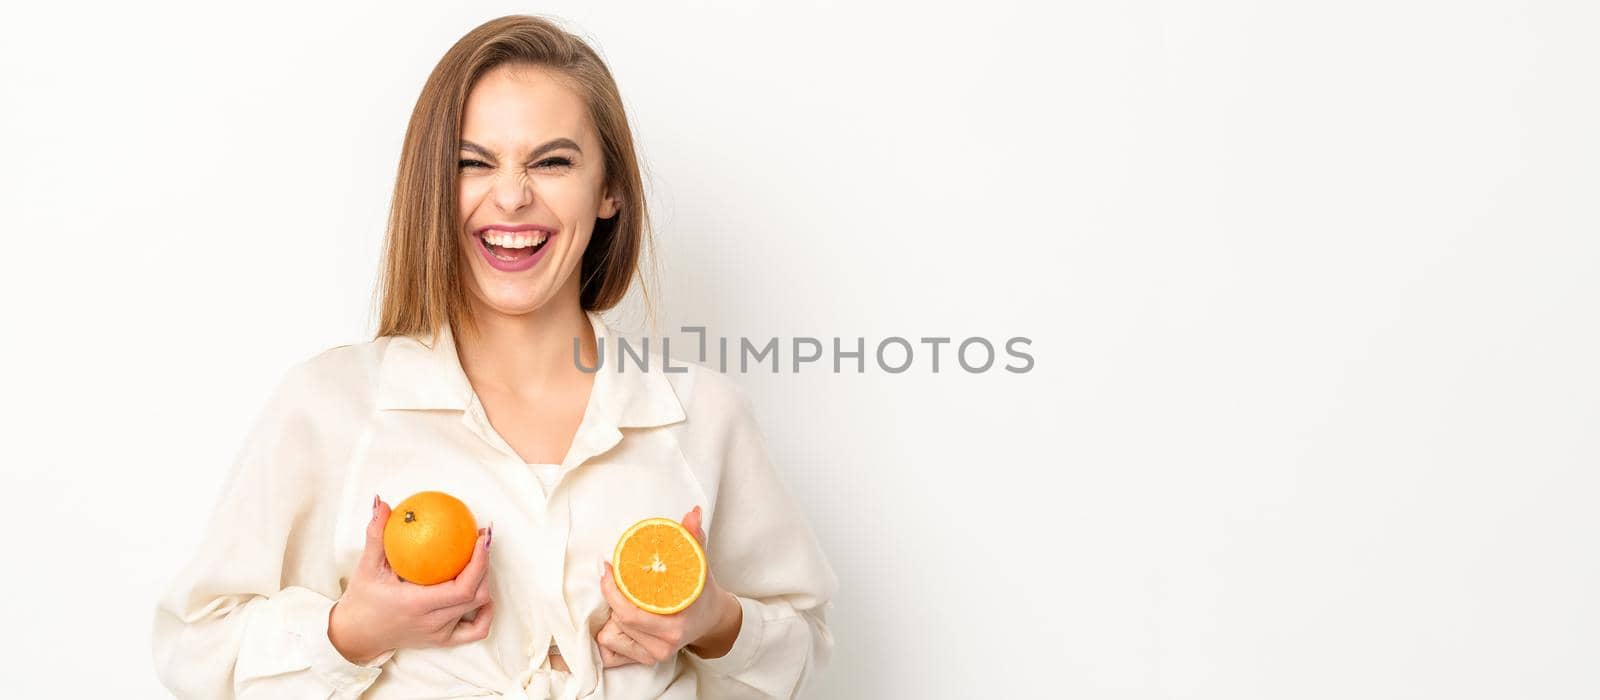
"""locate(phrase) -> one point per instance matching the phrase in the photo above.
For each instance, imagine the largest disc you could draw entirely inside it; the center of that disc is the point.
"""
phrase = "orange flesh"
(659, 566)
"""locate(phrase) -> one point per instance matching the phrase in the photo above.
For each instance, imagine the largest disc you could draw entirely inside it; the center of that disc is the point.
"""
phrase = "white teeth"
(514, 240)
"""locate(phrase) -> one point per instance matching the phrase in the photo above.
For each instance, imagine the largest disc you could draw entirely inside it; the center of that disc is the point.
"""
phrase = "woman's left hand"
(632, 635)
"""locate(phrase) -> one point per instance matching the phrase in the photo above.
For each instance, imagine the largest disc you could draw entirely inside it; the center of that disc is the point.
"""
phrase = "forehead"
(518, 106)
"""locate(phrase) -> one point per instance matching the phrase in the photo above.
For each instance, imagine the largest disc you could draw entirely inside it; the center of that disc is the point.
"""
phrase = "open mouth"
(511, 247)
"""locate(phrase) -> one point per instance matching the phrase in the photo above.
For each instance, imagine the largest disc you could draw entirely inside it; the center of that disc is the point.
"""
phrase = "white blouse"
(548, 474)
(248, 616)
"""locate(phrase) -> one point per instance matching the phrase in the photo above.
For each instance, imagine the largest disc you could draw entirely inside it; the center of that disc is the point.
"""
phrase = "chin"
(515, 304)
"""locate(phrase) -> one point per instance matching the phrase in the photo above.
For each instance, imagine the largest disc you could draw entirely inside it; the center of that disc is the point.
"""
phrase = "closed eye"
(546, 163)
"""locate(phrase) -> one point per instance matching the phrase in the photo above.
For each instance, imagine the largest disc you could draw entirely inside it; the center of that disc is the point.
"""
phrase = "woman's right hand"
(379, 611)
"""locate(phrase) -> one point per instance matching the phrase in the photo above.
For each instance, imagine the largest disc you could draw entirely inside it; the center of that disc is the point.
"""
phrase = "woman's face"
(532, 184)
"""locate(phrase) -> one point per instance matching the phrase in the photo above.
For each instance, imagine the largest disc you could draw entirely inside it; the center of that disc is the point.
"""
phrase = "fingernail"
(374, 505)
(490, 539)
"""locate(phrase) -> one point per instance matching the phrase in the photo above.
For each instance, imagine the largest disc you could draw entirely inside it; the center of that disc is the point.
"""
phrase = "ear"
(609, 206)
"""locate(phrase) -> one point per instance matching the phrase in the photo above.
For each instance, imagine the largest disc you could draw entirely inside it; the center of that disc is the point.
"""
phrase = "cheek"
(573, 199)
(468, 195)
(580, 242)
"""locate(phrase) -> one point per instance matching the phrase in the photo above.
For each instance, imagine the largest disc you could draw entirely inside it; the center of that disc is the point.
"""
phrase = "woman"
(518, 215)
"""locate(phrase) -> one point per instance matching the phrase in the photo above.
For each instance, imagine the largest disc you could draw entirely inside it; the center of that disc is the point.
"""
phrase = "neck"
(526, 354)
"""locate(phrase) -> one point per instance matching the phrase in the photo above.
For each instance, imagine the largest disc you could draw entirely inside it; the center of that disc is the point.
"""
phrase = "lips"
(514, 228)
(503, 241)
(513, 248)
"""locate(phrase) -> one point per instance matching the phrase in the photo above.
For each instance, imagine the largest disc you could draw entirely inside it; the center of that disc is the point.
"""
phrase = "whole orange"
(429, 537)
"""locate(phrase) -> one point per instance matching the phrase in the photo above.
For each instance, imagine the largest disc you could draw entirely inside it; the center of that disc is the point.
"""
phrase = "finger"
(691, 522)
(620, 606)
(372, 558)
(612, 637)
(656, 647)
(634, 617)
(480, 597)
(475, 630)
(478, 566)
(624, 612)
(461, 589)
(611, 659)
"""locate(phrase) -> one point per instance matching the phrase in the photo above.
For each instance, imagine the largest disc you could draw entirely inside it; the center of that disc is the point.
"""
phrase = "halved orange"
(659, 566)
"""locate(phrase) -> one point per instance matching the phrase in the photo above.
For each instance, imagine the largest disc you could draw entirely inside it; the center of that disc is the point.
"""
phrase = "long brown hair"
(420, 285)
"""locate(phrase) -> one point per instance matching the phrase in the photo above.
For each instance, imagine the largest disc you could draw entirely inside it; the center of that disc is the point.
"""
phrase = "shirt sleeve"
(762, 550)
(248, 615)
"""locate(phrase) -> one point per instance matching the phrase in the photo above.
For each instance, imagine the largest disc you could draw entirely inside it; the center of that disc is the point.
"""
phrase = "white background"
(1311, 286)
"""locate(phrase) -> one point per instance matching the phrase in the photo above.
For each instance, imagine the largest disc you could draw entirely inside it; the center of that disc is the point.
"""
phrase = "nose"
(512, 191)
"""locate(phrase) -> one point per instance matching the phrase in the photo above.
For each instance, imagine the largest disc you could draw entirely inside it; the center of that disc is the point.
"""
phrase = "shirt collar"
(418, 376)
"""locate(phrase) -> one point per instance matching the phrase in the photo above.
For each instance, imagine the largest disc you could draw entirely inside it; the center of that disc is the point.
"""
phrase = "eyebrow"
(548, 146)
